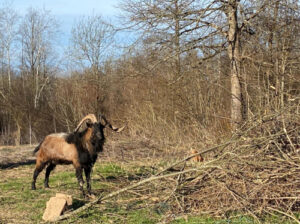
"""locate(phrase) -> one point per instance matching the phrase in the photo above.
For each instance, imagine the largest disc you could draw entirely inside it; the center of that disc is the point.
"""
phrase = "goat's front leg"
(87, 171)
(79, 178)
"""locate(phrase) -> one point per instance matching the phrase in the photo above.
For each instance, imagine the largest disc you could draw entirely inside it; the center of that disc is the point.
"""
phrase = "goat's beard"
(99, 146)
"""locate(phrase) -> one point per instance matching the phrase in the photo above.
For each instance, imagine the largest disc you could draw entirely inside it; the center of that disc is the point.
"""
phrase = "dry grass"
(14, 156)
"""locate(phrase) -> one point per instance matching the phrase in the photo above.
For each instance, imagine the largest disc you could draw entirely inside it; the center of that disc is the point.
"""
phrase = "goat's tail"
(37, 149)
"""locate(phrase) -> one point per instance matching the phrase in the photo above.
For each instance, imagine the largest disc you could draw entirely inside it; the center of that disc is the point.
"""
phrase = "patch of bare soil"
(14, 156)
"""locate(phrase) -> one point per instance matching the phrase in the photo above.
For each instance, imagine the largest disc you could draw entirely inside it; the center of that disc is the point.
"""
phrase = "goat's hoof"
(33, 188)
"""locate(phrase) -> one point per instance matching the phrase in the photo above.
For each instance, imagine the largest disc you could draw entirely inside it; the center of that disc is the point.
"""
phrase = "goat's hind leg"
(49, 168)
(39, 166)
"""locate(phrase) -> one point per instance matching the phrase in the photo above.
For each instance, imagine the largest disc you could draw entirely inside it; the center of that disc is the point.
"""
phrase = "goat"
(78, 148)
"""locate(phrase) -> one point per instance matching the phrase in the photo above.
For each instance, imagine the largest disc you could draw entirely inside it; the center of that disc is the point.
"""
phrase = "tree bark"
(177, 40)
(234, 56)
(18, 134)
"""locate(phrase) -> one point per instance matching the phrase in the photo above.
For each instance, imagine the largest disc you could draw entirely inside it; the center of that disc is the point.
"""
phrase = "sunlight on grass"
(28, 205)
(109, 170)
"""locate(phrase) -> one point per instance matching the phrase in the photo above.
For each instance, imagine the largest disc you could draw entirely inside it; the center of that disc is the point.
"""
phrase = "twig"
(286, 133)
(284, 213)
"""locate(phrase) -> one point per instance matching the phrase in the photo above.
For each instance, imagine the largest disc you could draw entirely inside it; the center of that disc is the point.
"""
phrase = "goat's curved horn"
(107, 124)
(90, 117)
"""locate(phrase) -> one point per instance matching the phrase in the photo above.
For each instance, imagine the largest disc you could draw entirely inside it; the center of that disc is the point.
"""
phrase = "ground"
(113, 170)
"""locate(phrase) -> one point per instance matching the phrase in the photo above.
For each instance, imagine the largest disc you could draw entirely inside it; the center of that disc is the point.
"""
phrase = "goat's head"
(97, 137)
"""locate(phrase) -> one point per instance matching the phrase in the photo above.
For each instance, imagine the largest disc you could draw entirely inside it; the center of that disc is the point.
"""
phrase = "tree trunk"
(234, 56)
(18, 134)
(30, 130)
(8, 70)
(177, 41)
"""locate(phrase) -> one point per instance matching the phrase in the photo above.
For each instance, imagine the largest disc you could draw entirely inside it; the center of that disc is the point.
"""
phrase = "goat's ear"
(102, 120)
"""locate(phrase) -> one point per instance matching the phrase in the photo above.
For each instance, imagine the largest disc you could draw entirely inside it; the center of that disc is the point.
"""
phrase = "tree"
(270, 57)
(8, 40)
(38, 34)
(207, 26)
(167, 24)
(91, 38)
(8, 35)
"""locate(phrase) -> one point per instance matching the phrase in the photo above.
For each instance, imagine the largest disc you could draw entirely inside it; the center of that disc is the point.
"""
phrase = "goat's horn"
(117, 129)
(107, 124)
(90, 117)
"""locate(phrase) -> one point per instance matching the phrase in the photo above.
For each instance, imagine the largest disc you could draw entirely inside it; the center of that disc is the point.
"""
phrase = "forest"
(218, 76)
(204, 66)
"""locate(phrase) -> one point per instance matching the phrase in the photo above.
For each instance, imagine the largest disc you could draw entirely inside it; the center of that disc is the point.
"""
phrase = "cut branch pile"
(256, 174)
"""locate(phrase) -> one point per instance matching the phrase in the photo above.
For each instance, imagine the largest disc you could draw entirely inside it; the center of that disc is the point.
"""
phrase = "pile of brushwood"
(256, 173)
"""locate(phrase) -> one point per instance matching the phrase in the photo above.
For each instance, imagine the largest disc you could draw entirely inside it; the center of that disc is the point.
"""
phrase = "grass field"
(19, 204)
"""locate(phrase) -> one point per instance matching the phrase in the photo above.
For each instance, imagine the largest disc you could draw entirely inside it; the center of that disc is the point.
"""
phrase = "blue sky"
(67, 11)
(69, 7)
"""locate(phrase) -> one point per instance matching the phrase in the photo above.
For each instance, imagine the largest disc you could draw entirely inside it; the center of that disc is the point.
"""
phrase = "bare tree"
(38, 33)
(167, 24)
(272, 69)
(8, 29)
(91, 38)
(8, 40)
(208, 26)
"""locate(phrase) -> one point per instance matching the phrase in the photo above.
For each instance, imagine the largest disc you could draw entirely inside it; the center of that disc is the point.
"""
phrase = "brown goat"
(78, 148)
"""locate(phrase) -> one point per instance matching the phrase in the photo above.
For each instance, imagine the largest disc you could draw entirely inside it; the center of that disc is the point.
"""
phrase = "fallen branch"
(196, 154)
(100, 199)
